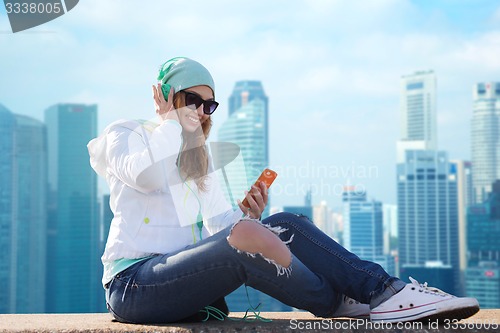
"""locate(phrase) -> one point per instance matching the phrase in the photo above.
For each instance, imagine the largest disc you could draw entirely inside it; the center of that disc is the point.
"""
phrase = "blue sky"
(331, 70)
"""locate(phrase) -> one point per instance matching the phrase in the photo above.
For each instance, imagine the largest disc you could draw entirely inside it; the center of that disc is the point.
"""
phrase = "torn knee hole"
(254, 238)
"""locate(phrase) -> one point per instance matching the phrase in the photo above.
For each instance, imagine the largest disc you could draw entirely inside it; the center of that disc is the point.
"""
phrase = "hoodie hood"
(97, 147)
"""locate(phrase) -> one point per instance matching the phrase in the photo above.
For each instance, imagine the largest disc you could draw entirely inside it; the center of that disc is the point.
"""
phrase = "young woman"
(176, 246)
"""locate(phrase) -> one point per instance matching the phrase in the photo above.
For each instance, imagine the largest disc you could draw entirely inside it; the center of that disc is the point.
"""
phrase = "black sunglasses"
(194, 99)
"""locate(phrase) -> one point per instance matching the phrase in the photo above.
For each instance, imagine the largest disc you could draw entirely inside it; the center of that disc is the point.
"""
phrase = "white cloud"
(480, 54)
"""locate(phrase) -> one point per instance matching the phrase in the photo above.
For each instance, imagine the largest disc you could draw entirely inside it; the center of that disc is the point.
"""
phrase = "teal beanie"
(182, 73)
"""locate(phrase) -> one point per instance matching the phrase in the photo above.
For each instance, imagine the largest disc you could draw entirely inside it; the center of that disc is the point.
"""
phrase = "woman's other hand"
(257, 199)
(165, 109)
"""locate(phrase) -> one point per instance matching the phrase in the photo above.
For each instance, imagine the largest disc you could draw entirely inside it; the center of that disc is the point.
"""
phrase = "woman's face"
(191, 119)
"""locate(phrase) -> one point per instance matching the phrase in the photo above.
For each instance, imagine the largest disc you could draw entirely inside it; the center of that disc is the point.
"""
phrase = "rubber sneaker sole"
(455, 314)
(452, 309)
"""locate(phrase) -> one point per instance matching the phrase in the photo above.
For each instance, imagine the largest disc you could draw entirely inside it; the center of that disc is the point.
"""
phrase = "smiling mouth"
(193, 119)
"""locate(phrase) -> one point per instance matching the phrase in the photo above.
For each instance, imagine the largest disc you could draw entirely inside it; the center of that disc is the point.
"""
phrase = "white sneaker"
(417, 301)
(352, 309)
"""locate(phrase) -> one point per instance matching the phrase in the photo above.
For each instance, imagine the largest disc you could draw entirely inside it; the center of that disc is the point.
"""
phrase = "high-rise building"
(483, 283)
(390, 216)
(106, 217)
(245, 92)
(246, 127)
(483, 250)
(426, 192)
(483, 229)
(363, 228)
(73, 263)
(23, 213)
(463, 171)
(323, 219)
(485, 139)
(428, 219)
(362, 224)
(418, 108)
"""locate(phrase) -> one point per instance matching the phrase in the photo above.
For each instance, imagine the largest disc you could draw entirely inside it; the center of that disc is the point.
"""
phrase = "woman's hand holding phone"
(256, 199)
(165, 109)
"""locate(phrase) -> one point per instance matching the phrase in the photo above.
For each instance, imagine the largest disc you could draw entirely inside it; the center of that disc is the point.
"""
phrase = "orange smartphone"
(267, 176)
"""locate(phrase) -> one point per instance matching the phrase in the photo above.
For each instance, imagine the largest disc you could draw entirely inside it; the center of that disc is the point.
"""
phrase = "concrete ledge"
(483, 321)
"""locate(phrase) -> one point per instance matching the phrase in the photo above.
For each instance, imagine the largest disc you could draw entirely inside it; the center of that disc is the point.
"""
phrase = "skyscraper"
(362, 224)
(363, 228)
(485, 138)
(426, 192)
(483, 249)
(247, 126)
(73, 226)
(418, 109)
(390, 213)
(390, 222)
(483, 283)
(428, 218)
(245, 92)
(464, 199)
(23, 213)
(323, 219)
(483, 229)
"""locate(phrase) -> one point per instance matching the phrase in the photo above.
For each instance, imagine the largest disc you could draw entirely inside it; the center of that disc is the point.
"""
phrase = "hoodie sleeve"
(217, 212)
(142, 161)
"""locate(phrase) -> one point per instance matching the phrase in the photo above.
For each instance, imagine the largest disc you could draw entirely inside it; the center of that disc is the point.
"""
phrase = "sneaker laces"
(425, 287)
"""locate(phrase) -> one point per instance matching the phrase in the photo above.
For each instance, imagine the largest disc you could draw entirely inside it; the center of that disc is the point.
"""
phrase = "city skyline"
(333, 81)
(330, 107)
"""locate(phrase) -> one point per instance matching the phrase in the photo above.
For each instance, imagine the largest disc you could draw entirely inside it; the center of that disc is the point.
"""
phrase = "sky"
(331, 70)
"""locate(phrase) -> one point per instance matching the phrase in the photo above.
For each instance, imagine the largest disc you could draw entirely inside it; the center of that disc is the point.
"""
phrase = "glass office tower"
(483, 250)
(483, 229)
(485, 138)
(363, 233)
(428, 219)
(245, 92)
(73, 279)
(363, 228)
(418, 108)
(247, 128)
(23, 213)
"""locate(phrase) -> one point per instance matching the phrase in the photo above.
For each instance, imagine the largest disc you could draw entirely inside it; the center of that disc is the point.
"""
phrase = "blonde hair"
(193, 159)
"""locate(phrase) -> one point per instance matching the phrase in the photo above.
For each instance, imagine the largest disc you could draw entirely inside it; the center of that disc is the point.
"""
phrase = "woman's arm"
(140, 161)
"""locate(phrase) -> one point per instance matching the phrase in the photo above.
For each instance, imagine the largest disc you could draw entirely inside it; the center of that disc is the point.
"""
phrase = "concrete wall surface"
(483, 321)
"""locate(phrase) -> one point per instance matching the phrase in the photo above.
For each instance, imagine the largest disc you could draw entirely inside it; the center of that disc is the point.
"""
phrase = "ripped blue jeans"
(168, 288)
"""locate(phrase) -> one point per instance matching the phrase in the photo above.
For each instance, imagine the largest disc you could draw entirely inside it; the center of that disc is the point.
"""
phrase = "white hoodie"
(154, 210)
